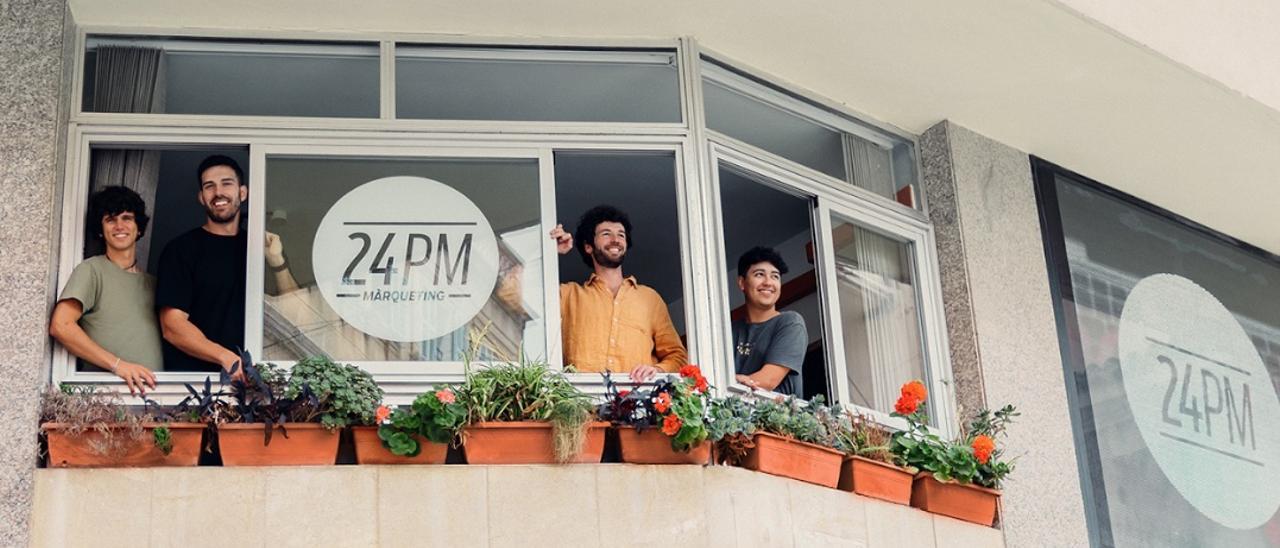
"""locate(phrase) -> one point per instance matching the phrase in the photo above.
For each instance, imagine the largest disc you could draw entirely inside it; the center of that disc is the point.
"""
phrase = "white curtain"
(877, 301)
(868, 165)
(128, 79)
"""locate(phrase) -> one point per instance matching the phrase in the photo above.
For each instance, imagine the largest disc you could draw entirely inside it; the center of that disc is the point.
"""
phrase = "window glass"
(757, 114)
(875, 284)
(444, 83)
(757, 213)
(404, 259)
(1174, 344)
(231, 77)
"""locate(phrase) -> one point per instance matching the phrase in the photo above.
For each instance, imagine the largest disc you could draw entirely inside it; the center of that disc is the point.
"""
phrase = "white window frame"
(697, 151)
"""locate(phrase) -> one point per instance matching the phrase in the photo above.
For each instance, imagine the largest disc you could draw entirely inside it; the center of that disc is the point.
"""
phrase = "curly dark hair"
(586, 231)
(219, 160)
(760, 254)
(112, 201)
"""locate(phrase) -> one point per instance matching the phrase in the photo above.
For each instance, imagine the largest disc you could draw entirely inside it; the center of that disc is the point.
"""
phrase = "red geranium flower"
(671, 425)
(700, 385)
(690, 371)
(983, 446)
(915, 390)
(623, 393)
(663, 403)
(906, 405)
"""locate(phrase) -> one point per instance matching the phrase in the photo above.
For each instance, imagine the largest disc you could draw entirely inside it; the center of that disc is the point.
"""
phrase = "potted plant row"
(960, 478)
(666, 424)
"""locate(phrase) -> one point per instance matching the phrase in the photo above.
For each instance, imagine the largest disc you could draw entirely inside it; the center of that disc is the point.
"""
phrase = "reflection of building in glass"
(1125, 477)
(301, 323)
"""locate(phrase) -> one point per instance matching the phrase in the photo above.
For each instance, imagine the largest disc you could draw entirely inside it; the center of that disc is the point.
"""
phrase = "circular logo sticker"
(405, 258)
(1202, 399)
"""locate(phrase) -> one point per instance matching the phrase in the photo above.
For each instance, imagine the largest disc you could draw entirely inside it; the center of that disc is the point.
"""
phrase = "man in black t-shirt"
(769, 347)
(200, 292)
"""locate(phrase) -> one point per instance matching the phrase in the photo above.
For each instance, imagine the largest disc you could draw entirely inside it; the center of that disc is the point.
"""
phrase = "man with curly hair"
(610, 322)
(106, 313)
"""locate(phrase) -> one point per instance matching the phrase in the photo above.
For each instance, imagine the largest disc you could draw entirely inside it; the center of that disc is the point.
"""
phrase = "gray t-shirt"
(781, 340)
(119, 311)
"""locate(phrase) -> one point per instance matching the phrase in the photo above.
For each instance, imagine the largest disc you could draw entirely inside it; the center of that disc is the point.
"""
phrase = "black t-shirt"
(780, 340)
(202, 274)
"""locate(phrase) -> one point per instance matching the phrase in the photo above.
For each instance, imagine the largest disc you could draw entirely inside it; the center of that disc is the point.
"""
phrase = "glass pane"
(231, 77)
(823, 140)
(788, 231)
(443, 83)
(875, 282)
(1177, 376)
(404, 259)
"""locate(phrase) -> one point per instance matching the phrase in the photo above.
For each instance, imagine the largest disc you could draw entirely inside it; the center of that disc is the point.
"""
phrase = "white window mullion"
(828, 292)
(550, 259)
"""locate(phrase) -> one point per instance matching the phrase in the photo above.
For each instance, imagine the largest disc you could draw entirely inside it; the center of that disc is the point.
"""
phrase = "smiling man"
(611, 322)
(201, 288)
(769, 346)
(105, 315)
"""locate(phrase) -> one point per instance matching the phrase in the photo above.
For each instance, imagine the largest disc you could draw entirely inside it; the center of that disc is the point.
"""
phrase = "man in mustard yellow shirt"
(610, 322)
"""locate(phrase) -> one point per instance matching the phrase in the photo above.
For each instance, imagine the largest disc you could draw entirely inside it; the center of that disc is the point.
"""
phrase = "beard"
(605, 261)
(231, 212)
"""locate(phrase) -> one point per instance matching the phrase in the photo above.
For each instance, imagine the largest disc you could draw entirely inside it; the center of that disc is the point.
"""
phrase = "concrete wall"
(1001, 326)
(579, 505)
(32, 124)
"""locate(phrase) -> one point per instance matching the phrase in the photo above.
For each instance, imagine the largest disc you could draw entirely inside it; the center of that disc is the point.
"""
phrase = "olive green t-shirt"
(119, 310)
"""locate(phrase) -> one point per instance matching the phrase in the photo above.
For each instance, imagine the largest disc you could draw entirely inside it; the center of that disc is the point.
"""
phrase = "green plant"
(528, 391)
(163, 438)
(348, 395)
(733, 421)
(116, 427)
(436, 416)
(972, 458)
(678, 407)
(865, 438)
(730, 426)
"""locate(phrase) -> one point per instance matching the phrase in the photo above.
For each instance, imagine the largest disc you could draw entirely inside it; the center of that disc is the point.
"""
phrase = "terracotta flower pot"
(653, 447)
(875, 479)
(369, 449)
(524, 442)
(966, 502)
(794, 459)
(68, 451)
(308, 444)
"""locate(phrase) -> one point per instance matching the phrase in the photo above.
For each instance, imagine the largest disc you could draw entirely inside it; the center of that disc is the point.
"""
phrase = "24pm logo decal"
(405, 258)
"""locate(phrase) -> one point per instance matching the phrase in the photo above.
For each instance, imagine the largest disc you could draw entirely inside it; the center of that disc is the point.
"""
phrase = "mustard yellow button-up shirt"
(604, 332)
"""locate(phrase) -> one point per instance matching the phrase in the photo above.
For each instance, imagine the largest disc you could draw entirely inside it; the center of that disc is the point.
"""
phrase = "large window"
(412, 185)
(1171, 338)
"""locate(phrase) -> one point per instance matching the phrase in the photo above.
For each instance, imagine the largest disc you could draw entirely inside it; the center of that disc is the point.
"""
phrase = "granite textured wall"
(32, 118)
(1001, 324)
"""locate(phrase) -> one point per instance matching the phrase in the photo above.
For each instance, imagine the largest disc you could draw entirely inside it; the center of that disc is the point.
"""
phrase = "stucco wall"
(523, 506)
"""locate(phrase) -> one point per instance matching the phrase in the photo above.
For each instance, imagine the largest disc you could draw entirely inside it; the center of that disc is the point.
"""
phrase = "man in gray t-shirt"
(769, 346)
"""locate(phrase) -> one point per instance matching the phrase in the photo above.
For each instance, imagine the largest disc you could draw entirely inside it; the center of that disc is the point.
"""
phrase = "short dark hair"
(761, 254)
(586, 231)
(215, 161)
(112, 201)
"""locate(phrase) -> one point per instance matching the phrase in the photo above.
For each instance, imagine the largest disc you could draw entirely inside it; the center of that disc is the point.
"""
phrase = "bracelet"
(115, 365)
(283, 267)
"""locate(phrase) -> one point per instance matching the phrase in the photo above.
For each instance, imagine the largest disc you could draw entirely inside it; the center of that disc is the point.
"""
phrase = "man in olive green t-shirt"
(106, 313)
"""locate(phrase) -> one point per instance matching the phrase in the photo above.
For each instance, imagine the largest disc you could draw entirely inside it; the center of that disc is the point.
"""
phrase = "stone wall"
(32, 123)
(512, 505)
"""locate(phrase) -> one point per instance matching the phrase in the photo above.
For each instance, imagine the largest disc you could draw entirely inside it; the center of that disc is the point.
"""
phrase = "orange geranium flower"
(915, 390)
(663, 403)
(906, 405)
(690, 371)
(983, 446)
(445, 396)
(671, 425)
(381, 414)
(700, 386)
